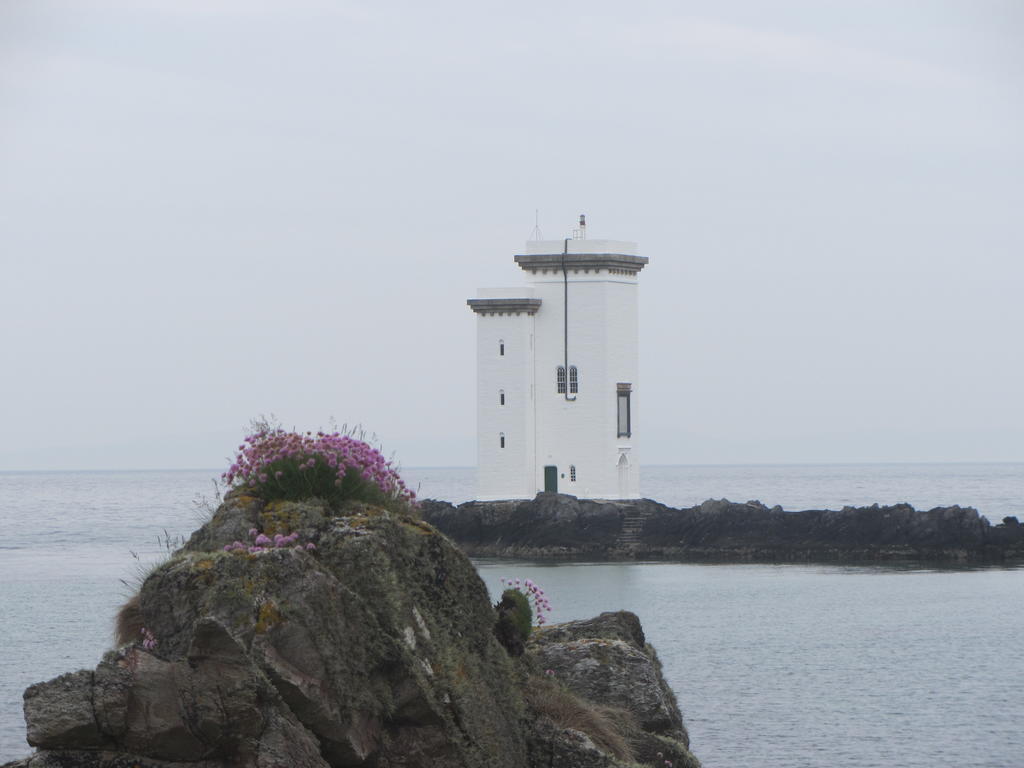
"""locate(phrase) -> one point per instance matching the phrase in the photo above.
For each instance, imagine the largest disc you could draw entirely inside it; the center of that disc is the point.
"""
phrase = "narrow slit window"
(501, 348)
(623, 392)
(574, 381)
(572, 473)
(560, 379)
(501, 397)
(501, 440)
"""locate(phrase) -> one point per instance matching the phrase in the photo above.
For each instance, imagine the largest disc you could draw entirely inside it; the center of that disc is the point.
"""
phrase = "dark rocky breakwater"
(558, 526)
(344, 637)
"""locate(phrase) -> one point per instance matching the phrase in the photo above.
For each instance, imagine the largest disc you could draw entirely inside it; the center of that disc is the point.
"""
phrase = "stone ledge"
(504, 306)
(617, 262)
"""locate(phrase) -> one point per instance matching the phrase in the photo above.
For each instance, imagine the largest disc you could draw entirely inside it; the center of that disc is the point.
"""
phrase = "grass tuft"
(128, 622)
(610, 728)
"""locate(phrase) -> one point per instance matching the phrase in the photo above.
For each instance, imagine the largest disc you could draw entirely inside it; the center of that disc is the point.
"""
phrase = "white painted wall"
(505, 473)
(602, 345)
(620, 247)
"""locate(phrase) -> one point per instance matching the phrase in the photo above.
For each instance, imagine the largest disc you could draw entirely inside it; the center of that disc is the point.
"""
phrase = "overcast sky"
(211, 210)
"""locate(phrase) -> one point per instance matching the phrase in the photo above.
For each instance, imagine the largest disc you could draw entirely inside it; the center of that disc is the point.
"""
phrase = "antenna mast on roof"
(535, 234)
(581, 233)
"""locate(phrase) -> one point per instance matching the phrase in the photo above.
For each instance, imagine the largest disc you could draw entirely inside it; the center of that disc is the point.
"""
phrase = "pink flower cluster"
(533, 592)
(148, 639)
(263, 543)
(274, 459)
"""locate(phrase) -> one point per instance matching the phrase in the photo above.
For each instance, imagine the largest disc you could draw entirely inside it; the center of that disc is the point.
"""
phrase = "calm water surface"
(800, 666)
(774, 666)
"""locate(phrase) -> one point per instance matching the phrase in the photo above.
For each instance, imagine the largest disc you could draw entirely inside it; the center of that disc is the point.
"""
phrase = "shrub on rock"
(515, 621)
(276, 464)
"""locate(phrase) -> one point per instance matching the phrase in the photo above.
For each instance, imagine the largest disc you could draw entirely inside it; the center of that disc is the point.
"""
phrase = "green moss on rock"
(377, 648)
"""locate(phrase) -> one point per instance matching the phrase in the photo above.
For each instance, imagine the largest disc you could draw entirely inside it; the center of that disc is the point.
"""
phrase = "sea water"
(775, 666)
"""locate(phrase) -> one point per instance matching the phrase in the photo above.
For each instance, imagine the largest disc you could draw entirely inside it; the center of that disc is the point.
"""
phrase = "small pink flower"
(148, 639)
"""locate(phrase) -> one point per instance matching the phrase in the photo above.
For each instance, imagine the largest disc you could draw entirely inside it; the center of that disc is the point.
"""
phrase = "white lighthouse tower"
(557, 373)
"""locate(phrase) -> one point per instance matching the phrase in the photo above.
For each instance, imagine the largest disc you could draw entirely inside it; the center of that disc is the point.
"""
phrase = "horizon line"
(218, 472)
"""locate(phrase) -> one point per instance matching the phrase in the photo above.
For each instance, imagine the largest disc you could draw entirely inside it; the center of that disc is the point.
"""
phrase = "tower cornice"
(505, 306)
(620, 262)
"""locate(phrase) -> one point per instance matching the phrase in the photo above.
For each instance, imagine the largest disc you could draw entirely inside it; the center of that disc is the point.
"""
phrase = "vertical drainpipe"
(534, 393)
(565, 321)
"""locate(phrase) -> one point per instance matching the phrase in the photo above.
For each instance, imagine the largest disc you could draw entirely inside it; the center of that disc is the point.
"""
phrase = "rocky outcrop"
(367, 639)
(557, 526)
(211, 703)
(607, 659)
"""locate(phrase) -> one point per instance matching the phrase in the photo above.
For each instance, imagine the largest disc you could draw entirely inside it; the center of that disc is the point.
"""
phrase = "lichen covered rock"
(608, 661)
(367, 639)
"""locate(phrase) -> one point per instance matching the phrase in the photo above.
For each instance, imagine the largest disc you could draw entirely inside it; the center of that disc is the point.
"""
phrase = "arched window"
(501, 397)
(501, 347)
(574, 384)
(572, 473)
(560, 379)
(501, 439)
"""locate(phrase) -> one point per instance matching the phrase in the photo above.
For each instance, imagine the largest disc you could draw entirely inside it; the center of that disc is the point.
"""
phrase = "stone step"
(632, 527)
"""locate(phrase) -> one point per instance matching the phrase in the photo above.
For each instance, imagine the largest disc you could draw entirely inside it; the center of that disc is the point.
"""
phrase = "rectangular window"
(560, 379)
(623, 392)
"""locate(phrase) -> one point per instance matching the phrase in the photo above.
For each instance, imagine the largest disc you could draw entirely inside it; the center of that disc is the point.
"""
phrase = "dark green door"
(551, 479)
